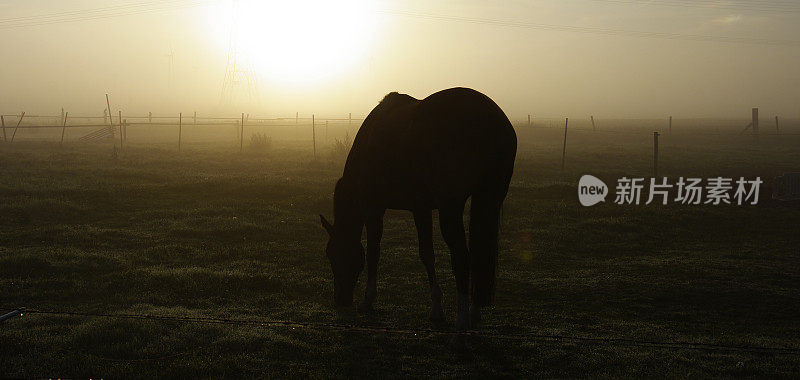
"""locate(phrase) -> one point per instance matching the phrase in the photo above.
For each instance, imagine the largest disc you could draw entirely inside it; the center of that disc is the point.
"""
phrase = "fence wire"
(489, 332)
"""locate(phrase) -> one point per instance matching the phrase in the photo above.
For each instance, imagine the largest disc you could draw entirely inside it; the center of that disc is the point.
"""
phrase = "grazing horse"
(421, 155)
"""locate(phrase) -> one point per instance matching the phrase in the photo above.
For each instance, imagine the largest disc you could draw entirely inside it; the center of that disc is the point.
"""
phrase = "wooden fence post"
(180, 130)
(150, 117)
(670, 125)
(529, 120)
(777, 130)
(564, 149)
(241, 136)
(755, 122)
(195, 118)
(314, 136)
(15, 128)
(110, 118)
(120, 129)
(592, 119)
(64, 128)
(3, 120)
(655, 154)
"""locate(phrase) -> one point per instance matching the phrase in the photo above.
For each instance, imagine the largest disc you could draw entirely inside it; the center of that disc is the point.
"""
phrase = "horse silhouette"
(421, 155)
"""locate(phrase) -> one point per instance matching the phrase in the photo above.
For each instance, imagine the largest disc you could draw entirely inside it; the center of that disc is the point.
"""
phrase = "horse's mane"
(393, 99)
(388, 96)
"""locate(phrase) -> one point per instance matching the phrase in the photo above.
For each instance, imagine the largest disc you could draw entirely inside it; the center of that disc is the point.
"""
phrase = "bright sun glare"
(296, 42)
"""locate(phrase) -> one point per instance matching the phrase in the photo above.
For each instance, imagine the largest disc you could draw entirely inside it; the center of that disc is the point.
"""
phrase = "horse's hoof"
(436, 315)
(462, 323)
(458, 343)
(474, 317)
(365, 307)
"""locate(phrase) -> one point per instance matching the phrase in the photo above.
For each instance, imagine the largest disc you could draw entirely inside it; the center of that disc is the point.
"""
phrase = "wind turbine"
(170, 57)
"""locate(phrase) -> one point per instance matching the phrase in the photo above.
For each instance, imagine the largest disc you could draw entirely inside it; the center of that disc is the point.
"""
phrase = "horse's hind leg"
(451, 220)
(424, 224)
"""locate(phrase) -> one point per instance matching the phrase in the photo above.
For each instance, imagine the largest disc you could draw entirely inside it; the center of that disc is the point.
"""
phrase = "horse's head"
(346, 256)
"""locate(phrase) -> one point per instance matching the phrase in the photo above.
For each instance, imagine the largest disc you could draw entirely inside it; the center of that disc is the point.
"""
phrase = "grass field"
(214, 233)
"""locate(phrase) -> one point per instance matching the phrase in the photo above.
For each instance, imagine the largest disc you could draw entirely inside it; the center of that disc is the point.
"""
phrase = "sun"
(299, 42)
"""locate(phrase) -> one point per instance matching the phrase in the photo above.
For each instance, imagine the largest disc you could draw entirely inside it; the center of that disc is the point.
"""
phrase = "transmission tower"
(240, 80)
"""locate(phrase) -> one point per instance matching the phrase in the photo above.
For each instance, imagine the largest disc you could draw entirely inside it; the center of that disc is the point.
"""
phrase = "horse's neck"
(347, 211)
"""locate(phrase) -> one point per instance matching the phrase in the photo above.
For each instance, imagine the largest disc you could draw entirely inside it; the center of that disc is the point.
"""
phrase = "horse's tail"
(484, 225)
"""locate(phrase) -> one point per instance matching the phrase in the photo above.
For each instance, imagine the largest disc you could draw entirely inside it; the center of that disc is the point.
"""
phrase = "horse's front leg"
(374, 233)
(424, 224)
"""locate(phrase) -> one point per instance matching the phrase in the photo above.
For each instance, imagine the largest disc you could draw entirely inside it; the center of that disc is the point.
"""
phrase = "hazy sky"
(552, 58)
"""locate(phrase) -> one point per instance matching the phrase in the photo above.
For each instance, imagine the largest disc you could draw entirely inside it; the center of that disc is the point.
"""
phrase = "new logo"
(591, 190)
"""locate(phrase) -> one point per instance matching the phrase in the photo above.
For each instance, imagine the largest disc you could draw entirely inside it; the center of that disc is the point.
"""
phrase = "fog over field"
(548, 58)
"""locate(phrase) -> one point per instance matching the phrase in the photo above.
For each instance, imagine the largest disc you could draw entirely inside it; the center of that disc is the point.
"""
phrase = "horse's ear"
(325, 224)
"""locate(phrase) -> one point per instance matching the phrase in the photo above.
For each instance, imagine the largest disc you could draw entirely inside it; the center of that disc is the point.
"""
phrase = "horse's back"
(450, 145)
(473, 142)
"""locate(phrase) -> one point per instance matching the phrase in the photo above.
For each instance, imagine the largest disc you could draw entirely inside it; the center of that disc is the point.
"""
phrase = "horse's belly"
(404, 195)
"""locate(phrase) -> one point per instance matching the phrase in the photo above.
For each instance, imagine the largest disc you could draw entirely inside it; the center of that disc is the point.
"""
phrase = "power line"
(593, 30)
(755, 6)
(78, 12)
(97, 14)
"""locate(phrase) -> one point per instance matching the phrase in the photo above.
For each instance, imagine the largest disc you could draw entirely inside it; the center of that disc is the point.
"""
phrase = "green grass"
(212, 233)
